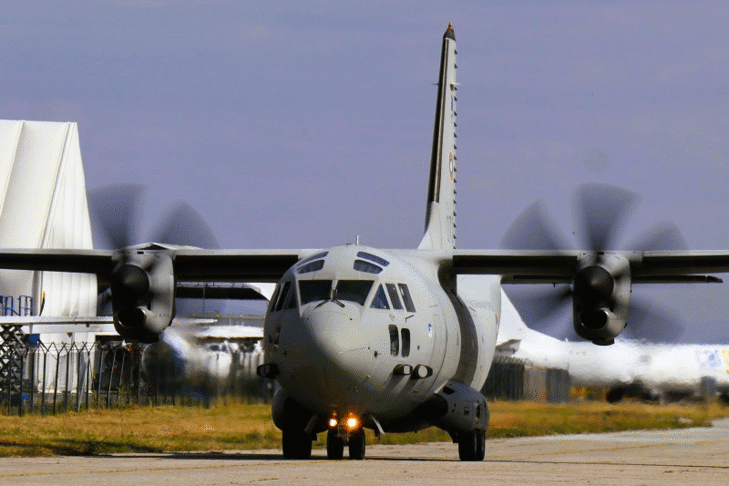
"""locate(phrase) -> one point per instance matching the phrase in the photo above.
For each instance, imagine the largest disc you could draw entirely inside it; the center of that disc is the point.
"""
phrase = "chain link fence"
(56, 378)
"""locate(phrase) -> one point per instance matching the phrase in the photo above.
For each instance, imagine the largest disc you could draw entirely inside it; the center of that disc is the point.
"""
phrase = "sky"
(308, 124)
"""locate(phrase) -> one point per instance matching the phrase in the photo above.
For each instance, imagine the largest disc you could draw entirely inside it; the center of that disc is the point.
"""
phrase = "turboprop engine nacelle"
(601, 299)
(142, 293)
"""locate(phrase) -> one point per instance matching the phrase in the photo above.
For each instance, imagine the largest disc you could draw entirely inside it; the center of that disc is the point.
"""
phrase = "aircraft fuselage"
(365, 332)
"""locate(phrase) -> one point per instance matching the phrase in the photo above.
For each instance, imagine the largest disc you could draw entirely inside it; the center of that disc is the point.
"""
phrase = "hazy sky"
(305, 124)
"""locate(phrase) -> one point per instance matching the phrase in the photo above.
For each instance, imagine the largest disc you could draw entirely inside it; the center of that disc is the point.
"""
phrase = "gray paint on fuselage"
(352, 370)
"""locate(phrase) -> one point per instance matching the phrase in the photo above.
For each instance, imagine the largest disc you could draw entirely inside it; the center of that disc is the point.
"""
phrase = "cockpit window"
(274, 298)
(311, 267)
(380, 300)
(353, 290)
(282, 296)
(318, 256)
(373, 258)
(367, 267)
(290, 301)
(314, 290)
(406, 298)
(394, 298)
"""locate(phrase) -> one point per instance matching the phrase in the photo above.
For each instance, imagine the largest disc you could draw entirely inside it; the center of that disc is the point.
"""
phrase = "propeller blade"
(117, 209)
(182, 225)
(533, 230)
(663, 237)
(538, 307)
(645, 323)
(602, 210)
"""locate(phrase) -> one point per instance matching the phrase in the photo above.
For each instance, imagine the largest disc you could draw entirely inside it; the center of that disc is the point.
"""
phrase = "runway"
(696, 455)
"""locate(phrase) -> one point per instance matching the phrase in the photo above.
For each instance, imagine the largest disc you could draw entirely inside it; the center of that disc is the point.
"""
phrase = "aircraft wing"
(189, 264)
(516, 266)
(235, 265)
(75, 261)
(529, 266)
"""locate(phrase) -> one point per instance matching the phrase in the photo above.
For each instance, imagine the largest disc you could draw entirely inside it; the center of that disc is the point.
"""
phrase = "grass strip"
(238, 426)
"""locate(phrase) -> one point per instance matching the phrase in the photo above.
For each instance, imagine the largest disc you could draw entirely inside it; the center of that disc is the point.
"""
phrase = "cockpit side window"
(353, 290)
(274, 299)
(406, 298)
(380, 300)
(394, 298)
(314, 290)
(290, 301)
(282, 296)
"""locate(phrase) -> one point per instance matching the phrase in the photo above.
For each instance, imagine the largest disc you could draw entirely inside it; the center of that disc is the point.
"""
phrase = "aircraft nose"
(329, 355)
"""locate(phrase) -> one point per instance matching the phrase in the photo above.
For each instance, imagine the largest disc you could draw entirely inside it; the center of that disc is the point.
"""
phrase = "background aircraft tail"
(440, 217)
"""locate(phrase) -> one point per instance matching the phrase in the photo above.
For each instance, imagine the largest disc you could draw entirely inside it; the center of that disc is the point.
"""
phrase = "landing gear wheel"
(472, 445)
(296, 444)
(357, 445)
(335, 446)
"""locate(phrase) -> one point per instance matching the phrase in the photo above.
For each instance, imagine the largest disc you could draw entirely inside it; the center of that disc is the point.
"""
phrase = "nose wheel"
(356, 443)
(335, 445)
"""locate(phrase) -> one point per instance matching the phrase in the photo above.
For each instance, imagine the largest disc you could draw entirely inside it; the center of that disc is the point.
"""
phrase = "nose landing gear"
(349, 432)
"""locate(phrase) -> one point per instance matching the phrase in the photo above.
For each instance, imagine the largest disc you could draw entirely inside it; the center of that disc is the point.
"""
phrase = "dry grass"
(246, 426)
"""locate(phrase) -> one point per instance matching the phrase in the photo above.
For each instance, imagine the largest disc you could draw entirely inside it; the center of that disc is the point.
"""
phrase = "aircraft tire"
(357, 445)
(472, 445)
(296, 444)
(335, 446)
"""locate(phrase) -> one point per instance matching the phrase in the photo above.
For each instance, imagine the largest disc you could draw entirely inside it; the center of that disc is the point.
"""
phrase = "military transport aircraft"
(391, 340)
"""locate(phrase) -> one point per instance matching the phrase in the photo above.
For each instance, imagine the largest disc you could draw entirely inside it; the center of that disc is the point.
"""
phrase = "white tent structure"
(43, 205)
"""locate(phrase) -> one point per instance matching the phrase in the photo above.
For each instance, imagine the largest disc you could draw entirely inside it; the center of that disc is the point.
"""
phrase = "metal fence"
(513, 379)
(55, 378)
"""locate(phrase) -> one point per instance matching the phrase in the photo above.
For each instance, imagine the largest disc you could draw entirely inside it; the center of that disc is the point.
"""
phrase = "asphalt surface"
(696, 455)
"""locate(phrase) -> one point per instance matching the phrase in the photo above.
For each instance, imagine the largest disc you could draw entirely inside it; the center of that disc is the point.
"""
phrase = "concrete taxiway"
(695, 455)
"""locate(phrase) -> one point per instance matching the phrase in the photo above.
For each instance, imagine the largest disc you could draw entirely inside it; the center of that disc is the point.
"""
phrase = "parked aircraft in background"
(635, 367)
(391, 340)
(203, 360)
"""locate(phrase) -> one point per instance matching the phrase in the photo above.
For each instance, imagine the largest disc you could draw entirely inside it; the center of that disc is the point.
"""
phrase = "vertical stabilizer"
(440, 216)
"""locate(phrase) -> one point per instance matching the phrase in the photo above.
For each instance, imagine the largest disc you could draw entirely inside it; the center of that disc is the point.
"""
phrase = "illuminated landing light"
(333, 422)
(352, 423)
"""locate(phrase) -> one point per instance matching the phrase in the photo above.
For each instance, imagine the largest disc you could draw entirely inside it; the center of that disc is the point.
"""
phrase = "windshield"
(353, 290)
(314, 290)
(346, 291)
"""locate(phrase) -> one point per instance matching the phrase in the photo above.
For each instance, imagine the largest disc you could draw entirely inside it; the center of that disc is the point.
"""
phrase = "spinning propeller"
(142, 283)
(600, 290)
(118, 209)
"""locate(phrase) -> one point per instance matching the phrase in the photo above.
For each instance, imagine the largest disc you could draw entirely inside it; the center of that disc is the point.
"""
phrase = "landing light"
(332, 422)
(352, 422)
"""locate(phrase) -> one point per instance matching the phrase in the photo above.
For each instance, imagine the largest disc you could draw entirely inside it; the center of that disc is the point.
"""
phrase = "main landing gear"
(472, 445)
(296, 444)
